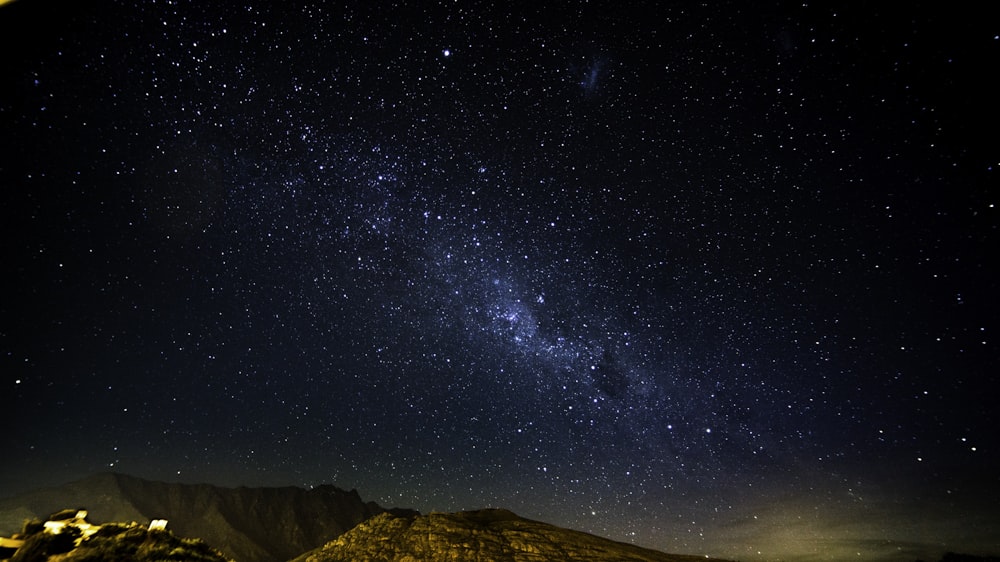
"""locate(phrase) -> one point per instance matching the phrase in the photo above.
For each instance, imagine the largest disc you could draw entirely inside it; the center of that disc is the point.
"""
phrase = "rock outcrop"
(77, 540)
(247, 524)
(493, 535)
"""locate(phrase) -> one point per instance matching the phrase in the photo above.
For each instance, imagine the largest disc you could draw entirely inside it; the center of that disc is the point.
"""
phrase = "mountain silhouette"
(247, 524)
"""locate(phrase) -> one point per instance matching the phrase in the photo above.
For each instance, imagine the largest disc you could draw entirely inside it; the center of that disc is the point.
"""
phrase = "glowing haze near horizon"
(710, 279)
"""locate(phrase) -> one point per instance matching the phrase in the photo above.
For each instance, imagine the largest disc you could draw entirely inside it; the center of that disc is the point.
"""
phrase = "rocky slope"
(247, 524)
(110, 542)
(476, 536)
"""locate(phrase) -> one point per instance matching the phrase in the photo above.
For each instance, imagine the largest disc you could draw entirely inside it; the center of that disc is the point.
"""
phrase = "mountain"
(495, 535)
(247, 524)
(326, 523)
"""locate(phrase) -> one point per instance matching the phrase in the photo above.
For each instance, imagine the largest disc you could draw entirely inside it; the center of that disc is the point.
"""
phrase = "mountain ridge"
(247, 524)
(322, 524)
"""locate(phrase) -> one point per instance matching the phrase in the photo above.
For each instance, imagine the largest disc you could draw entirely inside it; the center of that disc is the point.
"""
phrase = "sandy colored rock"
(492, 535)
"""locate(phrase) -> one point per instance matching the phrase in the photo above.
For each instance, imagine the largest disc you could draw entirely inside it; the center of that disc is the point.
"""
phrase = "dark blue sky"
(711, 279)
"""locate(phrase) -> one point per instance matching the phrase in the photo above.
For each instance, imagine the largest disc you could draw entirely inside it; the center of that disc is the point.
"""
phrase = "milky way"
(712, 281)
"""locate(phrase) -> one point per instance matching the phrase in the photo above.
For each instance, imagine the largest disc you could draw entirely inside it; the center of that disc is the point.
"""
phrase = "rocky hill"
(476, 536)
(247, 524)
(80, 541)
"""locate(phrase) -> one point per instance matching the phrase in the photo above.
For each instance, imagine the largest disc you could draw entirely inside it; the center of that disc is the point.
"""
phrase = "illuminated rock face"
(69, 542)
(475, 536)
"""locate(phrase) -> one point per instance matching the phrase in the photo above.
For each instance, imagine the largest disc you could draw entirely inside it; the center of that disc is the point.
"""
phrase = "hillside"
(494, 534)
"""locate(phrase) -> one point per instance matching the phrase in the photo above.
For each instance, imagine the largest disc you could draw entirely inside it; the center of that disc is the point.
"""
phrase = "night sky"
(710, 278)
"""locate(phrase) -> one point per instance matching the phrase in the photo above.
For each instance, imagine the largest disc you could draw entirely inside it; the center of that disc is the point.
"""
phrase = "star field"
(710, 279)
